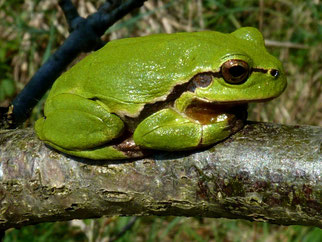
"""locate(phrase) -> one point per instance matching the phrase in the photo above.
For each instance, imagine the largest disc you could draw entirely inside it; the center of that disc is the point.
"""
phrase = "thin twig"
(285, 44)
(126, 228)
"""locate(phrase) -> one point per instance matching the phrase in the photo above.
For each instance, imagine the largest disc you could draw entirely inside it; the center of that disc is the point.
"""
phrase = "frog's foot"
(104, 152)
(117, 149)
(201, 125)
(218, 120)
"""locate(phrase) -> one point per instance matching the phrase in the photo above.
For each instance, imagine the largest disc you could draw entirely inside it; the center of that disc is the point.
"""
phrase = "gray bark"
(266, 172)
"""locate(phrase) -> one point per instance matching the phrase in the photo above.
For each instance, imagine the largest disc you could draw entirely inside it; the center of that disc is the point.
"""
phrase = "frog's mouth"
(209, 113)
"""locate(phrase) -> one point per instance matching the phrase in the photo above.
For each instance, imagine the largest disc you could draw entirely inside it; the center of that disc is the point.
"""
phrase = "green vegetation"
(163, 229)
(30, 32)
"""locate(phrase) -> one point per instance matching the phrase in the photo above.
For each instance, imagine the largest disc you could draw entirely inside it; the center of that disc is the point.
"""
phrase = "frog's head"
(244, 72)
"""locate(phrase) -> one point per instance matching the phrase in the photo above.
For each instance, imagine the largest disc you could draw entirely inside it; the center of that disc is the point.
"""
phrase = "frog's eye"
(235, 71)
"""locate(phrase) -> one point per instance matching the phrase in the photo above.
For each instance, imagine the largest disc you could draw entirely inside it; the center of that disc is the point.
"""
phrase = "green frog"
(167, 92)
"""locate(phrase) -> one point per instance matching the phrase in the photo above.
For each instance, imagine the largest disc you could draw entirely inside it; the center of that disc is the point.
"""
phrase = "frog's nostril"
(275, 73)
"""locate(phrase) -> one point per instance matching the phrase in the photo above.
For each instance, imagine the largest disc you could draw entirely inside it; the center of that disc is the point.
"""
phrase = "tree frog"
(167, 92)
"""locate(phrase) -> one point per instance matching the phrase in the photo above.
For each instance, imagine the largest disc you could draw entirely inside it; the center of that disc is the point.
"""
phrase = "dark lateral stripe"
(259, 70)
(151, 108)
(177, 91)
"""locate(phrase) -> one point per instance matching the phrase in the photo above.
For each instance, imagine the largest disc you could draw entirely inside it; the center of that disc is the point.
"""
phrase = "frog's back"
(128, 73)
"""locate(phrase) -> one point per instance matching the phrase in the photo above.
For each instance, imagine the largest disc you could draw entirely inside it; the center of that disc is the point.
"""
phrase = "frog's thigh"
(167, 130)
(75, 123)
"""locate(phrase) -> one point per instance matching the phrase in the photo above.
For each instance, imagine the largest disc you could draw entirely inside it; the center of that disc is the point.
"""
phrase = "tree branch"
(266, 172)
(71, 14)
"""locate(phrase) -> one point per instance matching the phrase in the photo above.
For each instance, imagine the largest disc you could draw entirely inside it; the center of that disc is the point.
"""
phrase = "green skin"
(133, 94)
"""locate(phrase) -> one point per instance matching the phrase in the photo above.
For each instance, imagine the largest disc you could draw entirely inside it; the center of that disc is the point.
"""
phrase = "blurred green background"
(31, 30)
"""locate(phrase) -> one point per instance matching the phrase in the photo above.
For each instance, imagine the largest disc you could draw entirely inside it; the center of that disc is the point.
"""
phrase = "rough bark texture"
(266, 172)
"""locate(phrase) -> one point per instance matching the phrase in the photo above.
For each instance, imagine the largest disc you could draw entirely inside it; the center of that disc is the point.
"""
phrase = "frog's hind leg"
(81, 127)
(169, 130)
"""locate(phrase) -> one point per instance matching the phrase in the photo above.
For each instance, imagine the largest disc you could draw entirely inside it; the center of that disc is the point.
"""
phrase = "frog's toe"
(99, 153)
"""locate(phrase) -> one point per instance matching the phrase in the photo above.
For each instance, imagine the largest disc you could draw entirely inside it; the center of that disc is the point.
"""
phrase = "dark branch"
(84, 37)
(71, 14)
(101, 21)
(109, 6)
(265, 172)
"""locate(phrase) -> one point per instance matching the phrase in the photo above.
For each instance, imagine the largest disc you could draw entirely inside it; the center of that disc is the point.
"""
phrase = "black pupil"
(237, 71)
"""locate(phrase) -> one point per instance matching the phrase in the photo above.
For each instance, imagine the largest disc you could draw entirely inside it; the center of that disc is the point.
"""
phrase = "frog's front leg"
(79, 126)
(171, 130)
